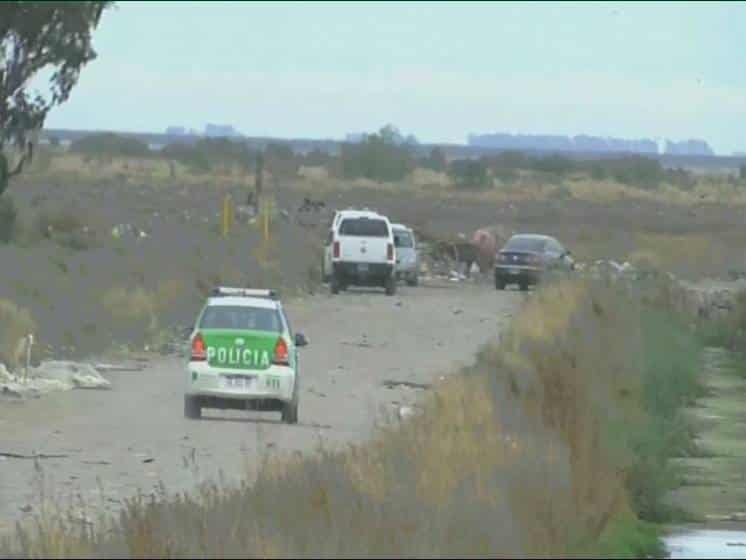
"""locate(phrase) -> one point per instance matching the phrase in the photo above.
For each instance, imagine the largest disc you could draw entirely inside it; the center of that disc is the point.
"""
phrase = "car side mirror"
(301, 340)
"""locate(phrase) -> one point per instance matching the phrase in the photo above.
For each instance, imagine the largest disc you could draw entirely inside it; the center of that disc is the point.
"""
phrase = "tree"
(376, 159)
(436, 160)
(35, 36)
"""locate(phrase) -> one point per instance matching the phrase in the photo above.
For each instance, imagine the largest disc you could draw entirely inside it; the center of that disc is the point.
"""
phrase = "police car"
(243, 355)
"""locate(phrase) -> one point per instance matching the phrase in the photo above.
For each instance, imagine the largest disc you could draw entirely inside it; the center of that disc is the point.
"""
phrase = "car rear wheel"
(290, 410)
(524, 286)
(413, 280)
(390, 286)
(499, 284)
(192, 408)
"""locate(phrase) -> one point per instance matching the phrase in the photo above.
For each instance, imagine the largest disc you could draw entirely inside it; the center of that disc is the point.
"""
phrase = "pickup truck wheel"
(192, 408)
(390, 286)
(413, 280)
(334, 284)
(499, 284)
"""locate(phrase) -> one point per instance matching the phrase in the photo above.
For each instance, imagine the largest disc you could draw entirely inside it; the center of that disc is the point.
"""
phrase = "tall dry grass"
(15, 323)
(533, 451)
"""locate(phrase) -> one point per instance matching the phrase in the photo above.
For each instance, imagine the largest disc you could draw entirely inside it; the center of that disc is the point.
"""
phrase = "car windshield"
(533, 244)
(403, 239)
(240, 317)
(364, 227)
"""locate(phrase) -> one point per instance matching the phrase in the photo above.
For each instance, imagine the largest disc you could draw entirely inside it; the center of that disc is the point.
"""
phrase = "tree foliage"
(470, 173)
(436, 160)
(210, 153)
(376, 158)
(108, 144)
(37, 36)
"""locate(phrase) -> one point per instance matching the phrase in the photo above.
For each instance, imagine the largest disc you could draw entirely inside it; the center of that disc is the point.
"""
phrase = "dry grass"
(132, 307)
(663, 251)
(15, 324)
(72, 168)
(421, 182)
(523, 454)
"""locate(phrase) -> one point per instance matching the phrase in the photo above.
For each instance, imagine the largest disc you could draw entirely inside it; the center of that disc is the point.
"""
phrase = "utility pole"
(259, 176)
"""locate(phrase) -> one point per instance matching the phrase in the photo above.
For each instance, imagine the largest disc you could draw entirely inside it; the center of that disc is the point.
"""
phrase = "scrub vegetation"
(556, 441)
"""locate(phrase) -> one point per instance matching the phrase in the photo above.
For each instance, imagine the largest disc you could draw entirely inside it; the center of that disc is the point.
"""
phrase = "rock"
(64, 375)
(5, 376)
(405, 412)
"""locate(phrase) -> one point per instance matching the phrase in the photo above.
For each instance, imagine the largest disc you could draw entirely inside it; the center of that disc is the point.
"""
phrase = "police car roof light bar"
(244, 292)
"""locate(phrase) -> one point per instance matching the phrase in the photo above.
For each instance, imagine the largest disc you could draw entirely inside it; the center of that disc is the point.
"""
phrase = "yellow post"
(266, 220)
(227, 221)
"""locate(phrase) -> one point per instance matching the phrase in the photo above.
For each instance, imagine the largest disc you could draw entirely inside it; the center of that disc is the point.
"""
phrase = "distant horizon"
(190, 131)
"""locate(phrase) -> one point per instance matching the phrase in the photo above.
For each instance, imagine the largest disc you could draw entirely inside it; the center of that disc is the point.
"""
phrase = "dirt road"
(128, 439)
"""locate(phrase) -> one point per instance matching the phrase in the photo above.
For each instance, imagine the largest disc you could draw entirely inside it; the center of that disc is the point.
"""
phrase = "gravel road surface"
(118, 442)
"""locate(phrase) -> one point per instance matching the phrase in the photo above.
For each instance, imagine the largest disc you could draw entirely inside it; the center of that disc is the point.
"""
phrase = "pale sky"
(437, 70)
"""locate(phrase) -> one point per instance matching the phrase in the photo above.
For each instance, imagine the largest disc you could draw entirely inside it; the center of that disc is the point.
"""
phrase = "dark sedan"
(525, 258)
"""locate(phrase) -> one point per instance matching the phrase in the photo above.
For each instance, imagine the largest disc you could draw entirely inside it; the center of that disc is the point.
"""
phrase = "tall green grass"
(672, 363)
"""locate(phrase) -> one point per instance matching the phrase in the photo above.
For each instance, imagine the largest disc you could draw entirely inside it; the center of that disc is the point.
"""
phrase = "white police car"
(243, 355)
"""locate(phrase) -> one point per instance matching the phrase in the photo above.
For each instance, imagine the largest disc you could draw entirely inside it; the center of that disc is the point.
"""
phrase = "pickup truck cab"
(360, 251)
(407, 263)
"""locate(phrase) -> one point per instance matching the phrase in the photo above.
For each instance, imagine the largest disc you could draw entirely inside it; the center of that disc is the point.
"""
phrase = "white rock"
(405, 412)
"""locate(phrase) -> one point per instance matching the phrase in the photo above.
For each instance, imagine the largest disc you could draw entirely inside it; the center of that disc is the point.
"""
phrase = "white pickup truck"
(360, 251)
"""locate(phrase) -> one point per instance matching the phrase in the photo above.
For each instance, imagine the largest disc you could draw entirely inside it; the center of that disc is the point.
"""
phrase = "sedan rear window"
(241, 317)
(533, 244)
(364, 227)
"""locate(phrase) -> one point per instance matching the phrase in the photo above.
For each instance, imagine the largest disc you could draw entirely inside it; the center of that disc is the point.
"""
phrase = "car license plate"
(363, 267)
(239, 382)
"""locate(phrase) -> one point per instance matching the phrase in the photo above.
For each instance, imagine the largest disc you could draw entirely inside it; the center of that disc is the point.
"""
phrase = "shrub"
(8, 215)
(435, 161)
(554, 164)
(67, 228)
(376, 159)
(132, 314)
(208, 154)
(281, 160)
(107, 145)
(65, 220)
(15, 323)
(469, 173)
